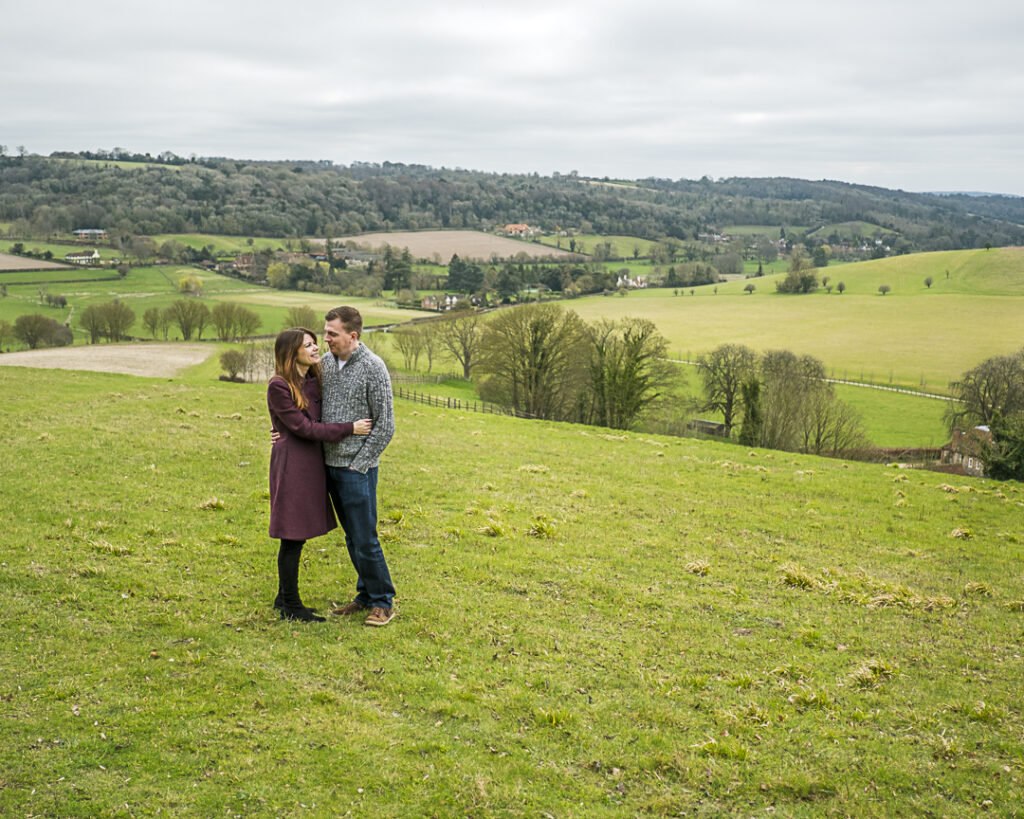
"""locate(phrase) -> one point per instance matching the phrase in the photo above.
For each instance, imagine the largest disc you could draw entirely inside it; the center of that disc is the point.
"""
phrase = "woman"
(299, 505)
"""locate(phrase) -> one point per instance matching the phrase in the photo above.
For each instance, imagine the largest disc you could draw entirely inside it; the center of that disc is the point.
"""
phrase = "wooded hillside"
(42, 195)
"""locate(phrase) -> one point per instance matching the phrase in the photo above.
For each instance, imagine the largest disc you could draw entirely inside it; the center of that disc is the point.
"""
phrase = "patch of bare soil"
(468, 244)
(156, 360)
(9, 262)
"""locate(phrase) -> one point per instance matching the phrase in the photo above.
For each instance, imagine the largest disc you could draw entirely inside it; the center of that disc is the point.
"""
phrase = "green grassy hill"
(621, 246)
(848, 231)
(590, 624)
(915, 336)
(146, 287)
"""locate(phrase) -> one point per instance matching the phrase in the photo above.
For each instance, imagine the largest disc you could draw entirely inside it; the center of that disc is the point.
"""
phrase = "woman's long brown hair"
(286, 354)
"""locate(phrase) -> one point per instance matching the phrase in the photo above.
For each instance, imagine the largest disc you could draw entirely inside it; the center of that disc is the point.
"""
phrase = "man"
(356, 385)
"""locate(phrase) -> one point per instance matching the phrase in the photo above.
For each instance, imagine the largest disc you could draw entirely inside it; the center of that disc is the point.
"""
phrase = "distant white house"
(441, 303)
(83, 257)
(626, 281)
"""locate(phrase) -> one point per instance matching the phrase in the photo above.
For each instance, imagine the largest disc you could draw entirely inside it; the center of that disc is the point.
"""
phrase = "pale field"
(155, 360)
(468, 244)
(8, 262)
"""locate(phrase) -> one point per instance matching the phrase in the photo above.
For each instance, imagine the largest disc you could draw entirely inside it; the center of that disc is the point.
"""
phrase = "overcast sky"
(911, 94)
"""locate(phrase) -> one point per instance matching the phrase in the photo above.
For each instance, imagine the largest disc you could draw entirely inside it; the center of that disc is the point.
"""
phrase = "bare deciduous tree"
(533, 360)
(723, 372)
(461, 336)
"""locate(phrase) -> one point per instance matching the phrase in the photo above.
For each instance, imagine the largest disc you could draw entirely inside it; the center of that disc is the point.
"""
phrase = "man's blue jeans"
(355, 500)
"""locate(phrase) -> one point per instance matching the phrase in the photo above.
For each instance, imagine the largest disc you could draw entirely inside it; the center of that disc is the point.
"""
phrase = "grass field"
(724, 631)
(225, 244)
(894, 419)
(146, 287)
(891, 419)
(915, 336)
(848, 231)
(622, 246)
(60, 250)
(771, 231)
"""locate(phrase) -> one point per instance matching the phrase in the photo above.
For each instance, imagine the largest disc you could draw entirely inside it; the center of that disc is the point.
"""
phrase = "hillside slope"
(590, 624)
(914, 336)
(239, 197)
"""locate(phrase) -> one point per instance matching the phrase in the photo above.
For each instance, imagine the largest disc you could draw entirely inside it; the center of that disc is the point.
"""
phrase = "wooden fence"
(457, 403)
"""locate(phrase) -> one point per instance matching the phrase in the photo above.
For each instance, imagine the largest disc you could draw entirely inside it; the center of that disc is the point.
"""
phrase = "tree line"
(778, 400)
(113, 321)
(42, 196)
(543, 360)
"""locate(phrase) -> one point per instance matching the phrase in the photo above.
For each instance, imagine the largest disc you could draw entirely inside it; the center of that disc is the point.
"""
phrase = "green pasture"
(915, 336)
(769, 269)
(55, 278)
(621, 245)
(847, 231)
(590, 624)
(146, 287)
(893, 419)
(890, 418)
(60, 249)
(224, 245)
(771, 231)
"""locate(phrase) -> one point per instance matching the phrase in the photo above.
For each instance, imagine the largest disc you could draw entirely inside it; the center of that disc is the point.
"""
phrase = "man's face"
(339, 341)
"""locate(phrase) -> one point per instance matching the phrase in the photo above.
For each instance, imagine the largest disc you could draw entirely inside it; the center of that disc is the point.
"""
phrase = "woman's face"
(309, 353)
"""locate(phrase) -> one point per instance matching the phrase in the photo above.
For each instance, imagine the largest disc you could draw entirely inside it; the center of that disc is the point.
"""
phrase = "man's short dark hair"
(350, 318)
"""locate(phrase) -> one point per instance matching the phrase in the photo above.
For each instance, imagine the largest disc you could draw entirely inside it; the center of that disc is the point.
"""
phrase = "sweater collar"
(357, 353)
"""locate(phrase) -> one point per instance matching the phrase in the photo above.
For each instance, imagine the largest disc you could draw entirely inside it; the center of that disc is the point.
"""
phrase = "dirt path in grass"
(156, 360)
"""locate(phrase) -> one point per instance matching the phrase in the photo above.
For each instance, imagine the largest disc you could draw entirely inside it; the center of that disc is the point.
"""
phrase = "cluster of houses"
(442, 304)
(86, 257)
(630, 283)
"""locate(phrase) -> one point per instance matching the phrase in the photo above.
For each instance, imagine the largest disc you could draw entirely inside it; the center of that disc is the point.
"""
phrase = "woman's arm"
(284, 411)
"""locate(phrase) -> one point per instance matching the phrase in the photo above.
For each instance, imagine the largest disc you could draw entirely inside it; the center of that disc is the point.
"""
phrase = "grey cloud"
(914, 95)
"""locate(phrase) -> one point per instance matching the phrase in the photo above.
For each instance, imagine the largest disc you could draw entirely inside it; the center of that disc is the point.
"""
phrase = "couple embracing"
(339, 410)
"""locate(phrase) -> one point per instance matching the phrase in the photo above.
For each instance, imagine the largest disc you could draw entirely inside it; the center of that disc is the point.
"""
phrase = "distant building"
(84, 257)
(356, 258)
(626, 281)
(709, 427)
(964, 451)
(244, 262)
(89, 234)
(442, 303)
(521, 231)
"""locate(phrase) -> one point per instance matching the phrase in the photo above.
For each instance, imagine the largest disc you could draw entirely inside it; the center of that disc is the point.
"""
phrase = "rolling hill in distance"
(305, 198)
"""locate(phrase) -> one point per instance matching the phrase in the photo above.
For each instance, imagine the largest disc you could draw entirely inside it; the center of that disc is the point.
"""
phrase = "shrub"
(233, 362)
(36, 330)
